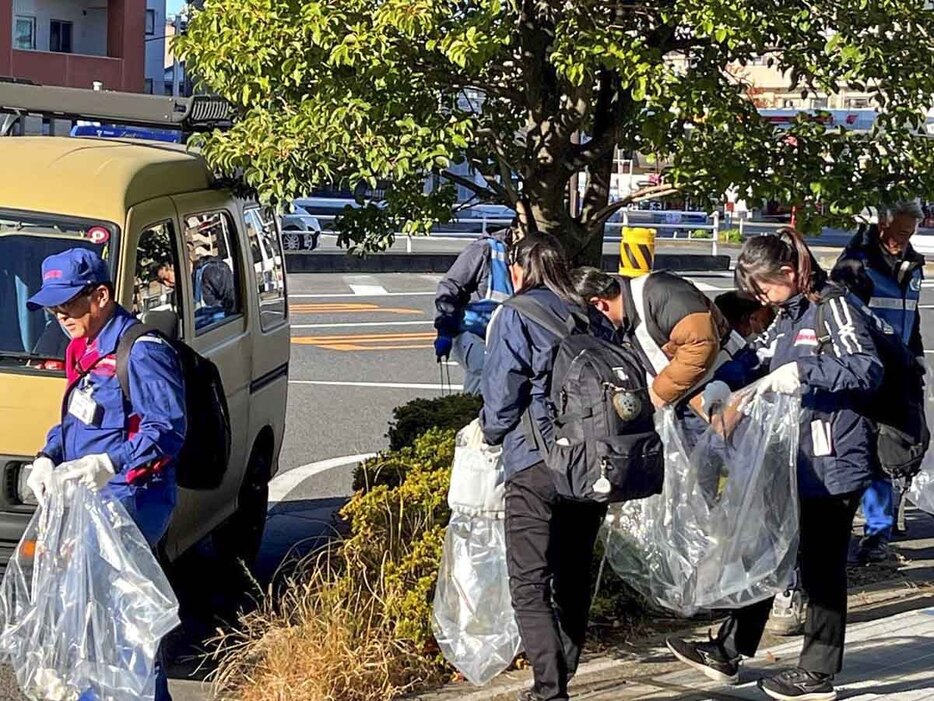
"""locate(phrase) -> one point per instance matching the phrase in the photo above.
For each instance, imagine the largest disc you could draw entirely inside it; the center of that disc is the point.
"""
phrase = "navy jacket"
(834, 384)
(517, 369)
(889, 285)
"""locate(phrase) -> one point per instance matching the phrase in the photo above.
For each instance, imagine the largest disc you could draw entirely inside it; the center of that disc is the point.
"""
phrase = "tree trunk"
(596, 197)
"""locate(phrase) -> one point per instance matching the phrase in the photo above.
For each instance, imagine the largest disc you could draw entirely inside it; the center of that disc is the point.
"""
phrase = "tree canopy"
(532, 93)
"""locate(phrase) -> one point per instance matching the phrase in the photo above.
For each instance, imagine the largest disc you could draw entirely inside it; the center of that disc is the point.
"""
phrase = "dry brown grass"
(352, 623)
(325, 638)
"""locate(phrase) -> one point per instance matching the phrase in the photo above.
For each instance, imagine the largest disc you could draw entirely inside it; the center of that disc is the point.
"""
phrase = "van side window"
(268, 265)
(212, 251)
(157, 269)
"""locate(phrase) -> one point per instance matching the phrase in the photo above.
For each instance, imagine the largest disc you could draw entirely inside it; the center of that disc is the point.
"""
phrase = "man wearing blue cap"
(124, 447)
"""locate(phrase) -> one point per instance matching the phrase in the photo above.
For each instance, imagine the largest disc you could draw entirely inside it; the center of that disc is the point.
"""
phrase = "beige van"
(152, 210)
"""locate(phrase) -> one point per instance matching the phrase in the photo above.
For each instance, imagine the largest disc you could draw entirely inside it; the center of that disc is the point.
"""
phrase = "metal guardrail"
(641, 218)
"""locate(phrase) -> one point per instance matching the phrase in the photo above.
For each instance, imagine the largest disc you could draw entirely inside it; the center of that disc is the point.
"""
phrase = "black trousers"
(549, 551)
(825, 537)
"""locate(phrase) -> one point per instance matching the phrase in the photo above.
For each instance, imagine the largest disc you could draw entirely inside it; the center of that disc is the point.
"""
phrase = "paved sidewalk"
(892, 658)
(888, 658)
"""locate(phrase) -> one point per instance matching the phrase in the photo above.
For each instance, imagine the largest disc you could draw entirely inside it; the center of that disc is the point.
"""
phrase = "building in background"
(156, 41)
(175, 78)
(74, 43)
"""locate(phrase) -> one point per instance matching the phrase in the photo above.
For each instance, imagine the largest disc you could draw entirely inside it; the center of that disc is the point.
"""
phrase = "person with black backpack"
(573, 415)
(880, 266)
(123, 445)
(836, 371)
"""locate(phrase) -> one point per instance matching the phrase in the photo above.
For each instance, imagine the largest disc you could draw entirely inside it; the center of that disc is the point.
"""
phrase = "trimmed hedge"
(411, 420)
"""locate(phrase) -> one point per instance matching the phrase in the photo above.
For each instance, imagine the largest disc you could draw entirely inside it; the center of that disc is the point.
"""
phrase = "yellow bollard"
(636, 251)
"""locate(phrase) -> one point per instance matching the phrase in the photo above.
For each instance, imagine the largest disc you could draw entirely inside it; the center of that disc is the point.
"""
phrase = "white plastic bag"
(473, 619)
(921, 493)
(477, 477)
(724, 531)
(84, 604)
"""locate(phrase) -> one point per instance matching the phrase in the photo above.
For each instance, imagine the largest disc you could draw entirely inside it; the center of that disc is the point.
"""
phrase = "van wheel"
(240, 537)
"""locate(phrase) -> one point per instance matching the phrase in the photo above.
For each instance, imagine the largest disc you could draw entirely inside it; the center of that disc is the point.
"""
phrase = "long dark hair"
(763, 258)
(542, 260)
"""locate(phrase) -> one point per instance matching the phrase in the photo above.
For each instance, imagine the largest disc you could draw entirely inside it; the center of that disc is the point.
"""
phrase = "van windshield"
(26, 239)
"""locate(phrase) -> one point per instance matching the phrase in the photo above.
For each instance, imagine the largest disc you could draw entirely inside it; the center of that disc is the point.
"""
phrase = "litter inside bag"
(473, 619)
(84, 603)
(724, 531)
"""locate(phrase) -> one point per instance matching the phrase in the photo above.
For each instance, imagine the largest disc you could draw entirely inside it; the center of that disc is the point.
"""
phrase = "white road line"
(281, 485)
(387, 385)
(327, 295)
(929, 352)
(347, 325)
(368, 290)
(705, 286)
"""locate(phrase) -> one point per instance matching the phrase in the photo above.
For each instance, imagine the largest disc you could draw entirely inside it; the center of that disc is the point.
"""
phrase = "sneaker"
(788, 613)
(871, 548)
(710, 658)
(799, 685)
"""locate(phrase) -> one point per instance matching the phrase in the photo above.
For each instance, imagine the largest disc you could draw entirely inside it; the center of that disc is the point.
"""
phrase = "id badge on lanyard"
(82, 405)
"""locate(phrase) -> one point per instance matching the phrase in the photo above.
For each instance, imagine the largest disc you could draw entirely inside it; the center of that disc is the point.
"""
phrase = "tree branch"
(479, 190)
(646, 193)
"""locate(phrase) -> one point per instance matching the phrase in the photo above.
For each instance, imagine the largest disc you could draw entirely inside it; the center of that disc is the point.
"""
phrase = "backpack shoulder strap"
(533, 310)
(125, 345)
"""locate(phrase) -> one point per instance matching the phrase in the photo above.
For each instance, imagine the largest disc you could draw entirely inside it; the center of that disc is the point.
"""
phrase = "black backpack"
(202, 461)
(604, 446)
(897, 407)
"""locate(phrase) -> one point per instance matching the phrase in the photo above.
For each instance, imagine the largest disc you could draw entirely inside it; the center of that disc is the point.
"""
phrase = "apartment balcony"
(74, 43)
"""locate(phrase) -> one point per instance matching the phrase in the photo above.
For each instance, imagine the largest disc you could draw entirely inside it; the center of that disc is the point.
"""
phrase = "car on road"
(147, 209)
(300, 230)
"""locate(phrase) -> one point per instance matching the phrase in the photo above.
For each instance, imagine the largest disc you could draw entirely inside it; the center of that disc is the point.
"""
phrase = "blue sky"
(173, 6)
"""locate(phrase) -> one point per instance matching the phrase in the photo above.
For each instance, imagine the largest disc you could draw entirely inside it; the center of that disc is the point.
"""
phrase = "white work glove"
(94, 471)
(716, 396)
(784, 380)
(40, 474)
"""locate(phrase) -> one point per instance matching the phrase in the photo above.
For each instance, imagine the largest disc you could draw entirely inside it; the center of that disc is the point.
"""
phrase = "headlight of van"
(24, 493)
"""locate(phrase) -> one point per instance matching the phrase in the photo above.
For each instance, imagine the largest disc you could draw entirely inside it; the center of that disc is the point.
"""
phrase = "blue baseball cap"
(66, 274)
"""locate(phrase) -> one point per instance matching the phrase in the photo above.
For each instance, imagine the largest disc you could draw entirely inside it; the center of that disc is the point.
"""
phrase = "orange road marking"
(348, 308)
(373, 341)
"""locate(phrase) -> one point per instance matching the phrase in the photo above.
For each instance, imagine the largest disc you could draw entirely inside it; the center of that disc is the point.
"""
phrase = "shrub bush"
(411, 420)
(354, 623)
(731, 235)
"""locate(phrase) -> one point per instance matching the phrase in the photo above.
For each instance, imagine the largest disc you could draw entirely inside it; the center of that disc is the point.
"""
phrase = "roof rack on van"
(186, 114)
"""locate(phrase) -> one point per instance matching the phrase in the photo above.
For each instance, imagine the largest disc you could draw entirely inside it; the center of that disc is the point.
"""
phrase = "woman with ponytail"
(549, 541)
(836, 457)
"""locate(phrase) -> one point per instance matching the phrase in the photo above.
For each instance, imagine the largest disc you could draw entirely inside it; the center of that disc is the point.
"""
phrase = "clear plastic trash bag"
(921, 492)
(84, 604)
(724, 531)
(473, 620)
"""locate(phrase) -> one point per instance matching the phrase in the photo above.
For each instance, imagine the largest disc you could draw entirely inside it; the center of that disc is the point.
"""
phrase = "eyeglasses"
(69, 308)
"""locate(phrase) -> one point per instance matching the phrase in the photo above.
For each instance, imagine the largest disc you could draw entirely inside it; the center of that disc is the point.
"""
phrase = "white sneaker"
(788, 613)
